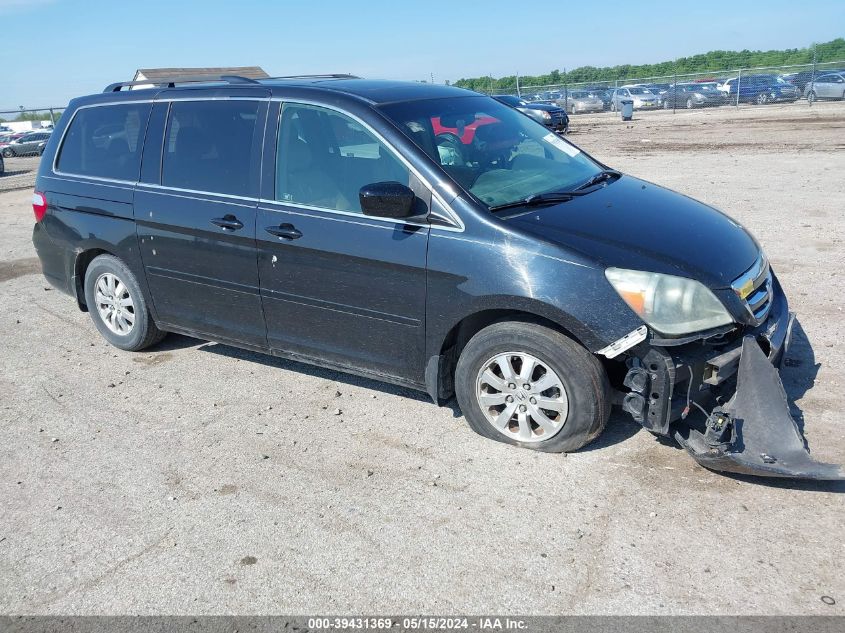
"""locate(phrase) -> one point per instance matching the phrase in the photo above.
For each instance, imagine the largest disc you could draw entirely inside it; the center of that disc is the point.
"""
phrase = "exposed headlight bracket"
(625, 343)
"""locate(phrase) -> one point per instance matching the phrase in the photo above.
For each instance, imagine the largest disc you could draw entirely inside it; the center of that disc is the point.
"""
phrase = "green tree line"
(34, 116)
(705, 62)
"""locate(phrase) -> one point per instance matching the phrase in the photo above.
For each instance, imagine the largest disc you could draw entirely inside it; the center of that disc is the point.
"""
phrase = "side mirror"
(387, 200)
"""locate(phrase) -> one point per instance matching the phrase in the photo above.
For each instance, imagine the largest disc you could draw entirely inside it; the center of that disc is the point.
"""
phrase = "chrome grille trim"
(757, 299)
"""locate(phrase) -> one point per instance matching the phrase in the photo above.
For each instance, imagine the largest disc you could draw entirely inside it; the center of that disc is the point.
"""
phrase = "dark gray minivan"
(427, 236)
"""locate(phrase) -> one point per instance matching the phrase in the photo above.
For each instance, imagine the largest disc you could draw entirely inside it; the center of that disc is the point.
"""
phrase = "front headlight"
(545, 115)
(671, 305)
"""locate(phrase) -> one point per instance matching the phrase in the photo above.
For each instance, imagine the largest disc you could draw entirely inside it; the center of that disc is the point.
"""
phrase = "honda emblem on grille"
(746, 289)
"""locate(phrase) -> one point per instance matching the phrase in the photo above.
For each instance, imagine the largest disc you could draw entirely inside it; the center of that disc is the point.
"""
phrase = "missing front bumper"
(754, 432)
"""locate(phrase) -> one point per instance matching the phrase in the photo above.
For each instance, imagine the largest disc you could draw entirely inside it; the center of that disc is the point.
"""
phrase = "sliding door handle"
(285, 231)
(228, 223)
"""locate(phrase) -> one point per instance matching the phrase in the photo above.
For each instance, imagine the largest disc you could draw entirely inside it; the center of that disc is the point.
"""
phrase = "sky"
(54, 50)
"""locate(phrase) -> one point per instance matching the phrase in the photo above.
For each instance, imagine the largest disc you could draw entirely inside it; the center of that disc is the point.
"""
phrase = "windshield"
(640, 91)
(497, 154)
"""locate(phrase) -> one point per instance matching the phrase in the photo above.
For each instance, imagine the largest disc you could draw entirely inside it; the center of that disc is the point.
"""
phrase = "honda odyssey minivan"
(426, 236)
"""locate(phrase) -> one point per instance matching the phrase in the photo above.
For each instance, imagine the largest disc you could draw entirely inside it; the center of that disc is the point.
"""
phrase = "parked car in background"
(4, 129)
(827, 86)
(759, 89)
(600, 92)
(2, 166)
(659, 90)
(550, 115)
(27, 145)
(691, 95)
(643, 98)
(582, 102)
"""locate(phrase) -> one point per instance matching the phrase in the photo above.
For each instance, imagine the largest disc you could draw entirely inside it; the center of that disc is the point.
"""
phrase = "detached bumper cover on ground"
(754, 433)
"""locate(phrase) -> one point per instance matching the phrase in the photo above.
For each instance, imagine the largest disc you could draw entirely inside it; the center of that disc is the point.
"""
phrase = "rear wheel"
(117, 305)
(690, 104)
(8, 153)
(762, 98)
(811, 97)
(613, 106)
(529, 385)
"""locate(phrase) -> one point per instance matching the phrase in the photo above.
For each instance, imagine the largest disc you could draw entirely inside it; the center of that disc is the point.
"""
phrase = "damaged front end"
(722, 399)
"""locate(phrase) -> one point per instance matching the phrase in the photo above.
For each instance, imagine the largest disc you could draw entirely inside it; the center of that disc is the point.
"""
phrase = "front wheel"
(529, 385)
(117, 305)
(811, 98)
(8, 153)
(690, 104)
(613, 106)
(762, 98)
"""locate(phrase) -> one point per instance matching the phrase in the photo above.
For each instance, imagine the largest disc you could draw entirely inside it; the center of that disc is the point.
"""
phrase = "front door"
(336, 285)
(196, 227)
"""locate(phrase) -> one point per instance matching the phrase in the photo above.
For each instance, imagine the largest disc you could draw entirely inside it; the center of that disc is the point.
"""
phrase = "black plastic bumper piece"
(754, 433)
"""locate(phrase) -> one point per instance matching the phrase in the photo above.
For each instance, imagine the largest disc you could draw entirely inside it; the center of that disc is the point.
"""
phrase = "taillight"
(39, 206)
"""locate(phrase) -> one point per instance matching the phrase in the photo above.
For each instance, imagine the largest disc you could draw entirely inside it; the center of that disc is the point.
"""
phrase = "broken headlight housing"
(670, 305)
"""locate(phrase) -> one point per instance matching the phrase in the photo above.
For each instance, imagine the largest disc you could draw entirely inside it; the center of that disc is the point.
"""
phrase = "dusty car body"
(642, 98)
(827, 86)
(429, 237)
(582, 102)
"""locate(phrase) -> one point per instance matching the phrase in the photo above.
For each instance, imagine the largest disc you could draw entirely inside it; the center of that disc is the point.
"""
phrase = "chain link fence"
(806, 83)
(23, 134)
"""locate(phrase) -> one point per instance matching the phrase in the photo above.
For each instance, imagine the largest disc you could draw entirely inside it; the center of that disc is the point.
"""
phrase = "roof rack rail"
(328, 76)
(171, 82)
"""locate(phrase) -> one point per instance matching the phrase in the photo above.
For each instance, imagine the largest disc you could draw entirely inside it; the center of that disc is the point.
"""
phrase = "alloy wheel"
(521, 397)
(114, 304)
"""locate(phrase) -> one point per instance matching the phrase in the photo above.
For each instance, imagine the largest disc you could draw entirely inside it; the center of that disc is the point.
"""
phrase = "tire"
(579, 380)
(8, 153)
(762, 99)
(665, 104)
(613, 106)
(690, 104)
(40, 151)
(143, 331)
(811, 98)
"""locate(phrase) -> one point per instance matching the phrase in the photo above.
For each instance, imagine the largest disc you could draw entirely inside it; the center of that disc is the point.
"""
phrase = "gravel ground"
(198, 478)
(19, 173)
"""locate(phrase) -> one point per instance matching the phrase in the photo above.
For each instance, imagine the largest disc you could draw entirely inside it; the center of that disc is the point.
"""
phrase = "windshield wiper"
(560, 196)
(604, 174)
(540, 198)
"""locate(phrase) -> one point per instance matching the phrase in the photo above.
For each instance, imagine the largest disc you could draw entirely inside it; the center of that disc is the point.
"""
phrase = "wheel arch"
(81, 263)
(440, 368)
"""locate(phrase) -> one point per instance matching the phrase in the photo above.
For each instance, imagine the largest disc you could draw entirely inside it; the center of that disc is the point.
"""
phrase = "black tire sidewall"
(138, 338)
(582, 375)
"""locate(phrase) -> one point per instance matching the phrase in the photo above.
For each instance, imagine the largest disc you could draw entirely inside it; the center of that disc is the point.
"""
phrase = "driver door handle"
(285, 231)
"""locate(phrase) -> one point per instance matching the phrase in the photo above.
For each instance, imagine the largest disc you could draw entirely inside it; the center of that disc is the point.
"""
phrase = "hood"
(634, 224)
(648, 97)
(542, 106)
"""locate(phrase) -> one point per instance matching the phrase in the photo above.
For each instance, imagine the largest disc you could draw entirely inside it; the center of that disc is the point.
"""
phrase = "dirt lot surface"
(198, 478)
(19, 172)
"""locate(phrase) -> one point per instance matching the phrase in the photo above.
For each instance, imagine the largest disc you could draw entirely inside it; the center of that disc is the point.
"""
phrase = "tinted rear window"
(105, 141)
(209, 146)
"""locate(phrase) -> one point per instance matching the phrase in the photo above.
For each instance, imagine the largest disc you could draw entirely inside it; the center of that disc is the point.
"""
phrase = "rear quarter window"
(105, 142)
